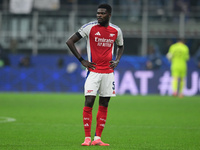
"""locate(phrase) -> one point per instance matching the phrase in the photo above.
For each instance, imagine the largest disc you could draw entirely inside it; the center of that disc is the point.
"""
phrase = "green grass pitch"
(54, 122)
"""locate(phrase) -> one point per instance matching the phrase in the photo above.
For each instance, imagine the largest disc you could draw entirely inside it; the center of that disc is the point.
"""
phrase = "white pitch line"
(6, 119)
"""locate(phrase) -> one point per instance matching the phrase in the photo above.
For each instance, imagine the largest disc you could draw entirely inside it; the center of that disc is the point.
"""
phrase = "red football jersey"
(100, 44)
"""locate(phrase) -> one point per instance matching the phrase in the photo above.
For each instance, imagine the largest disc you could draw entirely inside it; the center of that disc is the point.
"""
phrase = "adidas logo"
(97, 33)
(86, 125)
(103, 125)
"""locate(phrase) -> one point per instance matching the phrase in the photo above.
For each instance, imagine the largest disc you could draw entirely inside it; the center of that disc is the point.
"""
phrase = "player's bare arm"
(114, 63)
(71, 44)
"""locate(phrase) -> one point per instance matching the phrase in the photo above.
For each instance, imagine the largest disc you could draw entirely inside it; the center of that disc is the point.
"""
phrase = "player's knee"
(89, 101)
(104, 102)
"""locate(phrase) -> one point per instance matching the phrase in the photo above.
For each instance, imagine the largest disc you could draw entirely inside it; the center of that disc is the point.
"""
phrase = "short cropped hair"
(107, 7)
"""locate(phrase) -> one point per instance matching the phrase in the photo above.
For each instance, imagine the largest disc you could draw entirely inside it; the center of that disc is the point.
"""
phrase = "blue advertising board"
(131, 76)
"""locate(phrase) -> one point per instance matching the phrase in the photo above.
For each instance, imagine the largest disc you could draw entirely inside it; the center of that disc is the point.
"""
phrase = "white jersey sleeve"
(119, 41)
(85, 29)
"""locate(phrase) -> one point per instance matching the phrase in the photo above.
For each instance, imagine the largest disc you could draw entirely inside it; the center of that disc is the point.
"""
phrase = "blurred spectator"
(181, 6)
(25, 61)
(194, 5)
(197, 58)
(4, 60)
(157, 6)
(161, 9)
(60, 63)
(131, 9)
(154, 58)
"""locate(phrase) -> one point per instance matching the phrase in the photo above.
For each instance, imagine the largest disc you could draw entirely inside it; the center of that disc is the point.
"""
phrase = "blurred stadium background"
(34, 56)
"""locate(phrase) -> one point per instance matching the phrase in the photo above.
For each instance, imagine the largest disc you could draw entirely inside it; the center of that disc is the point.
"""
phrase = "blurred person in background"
(100, 35)
(131, 9)
(181, 6)
(60, 62)
(153, 58)
(197, 57)
(25, 61)
(178, 54)
(4, 59)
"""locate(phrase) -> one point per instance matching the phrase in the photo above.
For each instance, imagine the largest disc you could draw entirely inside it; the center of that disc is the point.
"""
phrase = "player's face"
(103, 16)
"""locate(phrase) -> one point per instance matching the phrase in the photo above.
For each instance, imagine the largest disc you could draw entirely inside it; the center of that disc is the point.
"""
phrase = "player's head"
(104, 14)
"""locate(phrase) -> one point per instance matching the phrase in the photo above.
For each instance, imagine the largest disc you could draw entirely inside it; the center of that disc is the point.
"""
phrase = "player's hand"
(113, 64)
(88, 64)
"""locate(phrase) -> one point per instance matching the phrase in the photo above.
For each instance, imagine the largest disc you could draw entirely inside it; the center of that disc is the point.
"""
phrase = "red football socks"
(87, 120)
(101, 120)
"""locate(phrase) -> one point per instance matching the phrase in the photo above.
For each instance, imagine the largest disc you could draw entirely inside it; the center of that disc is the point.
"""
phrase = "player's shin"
(174, 85)
(87, 120)
(101, 120)
(182, 84)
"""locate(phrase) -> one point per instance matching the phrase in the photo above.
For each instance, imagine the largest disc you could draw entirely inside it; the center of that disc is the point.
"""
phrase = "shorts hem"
(107, 95)
(90, 94)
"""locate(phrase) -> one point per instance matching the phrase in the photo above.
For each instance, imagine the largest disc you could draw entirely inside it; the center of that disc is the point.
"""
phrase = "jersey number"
(113, 85)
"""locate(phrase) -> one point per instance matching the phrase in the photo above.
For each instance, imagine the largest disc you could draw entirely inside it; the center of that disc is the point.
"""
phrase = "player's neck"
(106, 24)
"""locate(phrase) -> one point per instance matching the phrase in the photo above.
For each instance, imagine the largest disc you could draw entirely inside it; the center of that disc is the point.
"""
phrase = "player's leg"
(101, 120)
(174, 85)
(87, 119)
(174, 72)
(106, 90)
(101, 115)
(181, 87)
(91, 88)
(182, 82)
